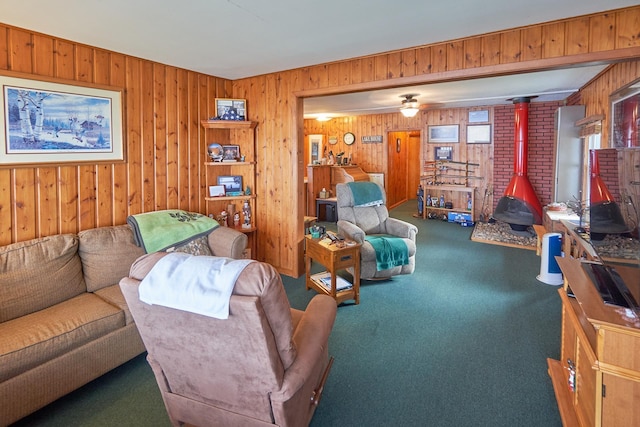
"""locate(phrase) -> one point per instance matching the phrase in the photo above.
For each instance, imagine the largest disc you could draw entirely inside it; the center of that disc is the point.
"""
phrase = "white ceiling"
(242, 38)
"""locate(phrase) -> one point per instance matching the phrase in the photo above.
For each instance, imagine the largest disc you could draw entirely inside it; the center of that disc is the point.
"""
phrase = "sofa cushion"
(107, 254)
(34, 339)
(38, 273)
(196, 246)
(113, 295)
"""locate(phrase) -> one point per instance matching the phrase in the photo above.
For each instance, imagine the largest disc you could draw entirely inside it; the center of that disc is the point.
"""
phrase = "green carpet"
(461, 342)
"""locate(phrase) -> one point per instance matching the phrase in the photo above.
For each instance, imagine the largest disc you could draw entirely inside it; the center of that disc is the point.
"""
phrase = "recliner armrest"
(351, 231)
(400, 228)
(311, 338)
(227, 242)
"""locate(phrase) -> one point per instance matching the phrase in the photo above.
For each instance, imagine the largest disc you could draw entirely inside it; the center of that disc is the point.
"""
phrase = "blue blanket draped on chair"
(391, 251)
(365, 193)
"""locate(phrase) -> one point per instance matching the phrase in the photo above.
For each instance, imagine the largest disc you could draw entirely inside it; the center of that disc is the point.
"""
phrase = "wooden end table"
(333, 258)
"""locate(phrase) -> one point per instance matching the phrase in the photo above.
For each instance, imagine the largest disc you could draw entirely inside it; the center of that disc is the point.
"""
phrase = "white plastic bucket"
(550, 272)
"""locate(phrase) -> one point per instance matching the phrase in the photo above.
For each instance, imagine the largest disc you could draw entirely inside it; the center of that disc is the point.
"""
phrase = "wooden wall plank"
(627, 24)
(424, 63)
(87, 196)
(69, 204)
(24, 202)
(64, 60)
(4, 48)
(408, 63)
(510, 46)
(47, 201)
(6, 206)
(21, 51)
(531, 43)
(173, 142)
(104, 195)
(553, 40)
(43, 55)
(439, 58)
(134, 132)
(577, 36)
(473, 52)
(490, 50)
(160, 137)
(601, 32)
(84, 64)
(455, 55)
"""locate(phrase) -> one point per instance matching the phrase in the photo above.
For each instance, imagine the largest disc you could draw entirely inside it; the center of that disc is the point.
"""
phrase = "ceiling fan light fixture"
(409, 105)
(409, 111)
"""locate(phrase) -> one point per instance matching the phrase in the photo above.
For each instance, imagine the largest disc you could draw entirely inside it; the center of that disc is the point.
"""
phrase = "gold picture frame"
(54, 121)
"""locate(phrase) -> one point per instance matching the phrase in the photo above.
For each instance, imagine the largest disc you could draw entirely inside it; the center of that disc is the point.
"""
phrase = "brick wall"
(541, 149)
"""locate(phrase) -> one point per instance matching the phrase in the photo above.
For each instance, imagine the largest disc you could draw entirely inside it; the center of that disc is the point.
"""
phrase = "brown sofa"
(63, 318)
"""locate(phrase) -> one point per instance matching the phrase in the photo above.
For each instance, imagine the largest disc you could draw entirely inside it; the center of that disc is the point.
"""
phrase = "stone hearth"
(500, 233)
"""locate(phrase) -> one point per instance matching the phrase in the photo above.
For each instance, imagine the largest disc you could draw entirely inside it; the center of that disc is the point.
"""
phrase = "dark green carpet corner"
(461, 342)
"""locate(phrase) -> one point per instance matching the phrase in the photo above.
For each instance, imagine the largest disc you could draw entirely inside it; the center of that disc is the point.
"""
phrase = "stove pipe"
(605, 216)
(519, 207)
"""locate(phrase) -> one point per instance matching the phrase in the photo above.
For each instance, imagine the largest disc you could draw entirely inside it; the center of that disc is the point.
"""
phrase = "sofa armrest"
(351, 231)
(397, 227)
(227, 242)
(311, 338)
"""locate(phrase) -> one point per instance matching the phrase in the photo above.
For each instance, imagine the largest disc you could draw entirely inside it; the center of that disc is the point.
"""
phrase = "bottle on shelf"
(469, 204)
(442, 201)
(428, 199)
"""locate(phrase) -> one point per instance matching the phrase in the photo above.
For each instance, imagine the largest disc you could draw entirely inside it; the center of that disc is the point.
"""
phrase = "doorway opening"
(403, 166)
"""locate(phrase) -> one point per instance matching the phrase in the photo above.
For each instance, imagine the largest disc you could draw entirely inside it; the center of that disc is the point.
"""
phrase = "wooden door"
(403, 170)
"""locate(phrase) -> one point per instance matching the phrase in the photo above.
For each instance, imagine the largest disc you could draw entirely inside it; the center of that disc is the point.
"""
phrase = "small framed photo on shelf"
(230, 109)
(232, 184)
(230, 153)
(478, 134)
(443, 133)
(216, 191)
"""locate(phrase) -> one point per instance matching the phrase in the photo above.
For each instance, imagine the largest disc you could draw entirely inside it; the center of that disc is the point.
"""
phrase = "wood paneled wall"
(165, 145)
(276, 104)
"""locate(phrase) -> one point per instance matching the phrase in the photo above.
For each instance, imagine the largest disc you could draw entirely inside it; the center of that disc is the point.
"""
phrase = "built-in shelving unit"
(241, 134)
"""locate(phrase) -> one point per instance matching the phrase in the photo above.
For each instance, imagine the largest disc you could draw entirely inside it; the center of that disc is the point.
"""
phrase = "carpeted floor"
(461, 342)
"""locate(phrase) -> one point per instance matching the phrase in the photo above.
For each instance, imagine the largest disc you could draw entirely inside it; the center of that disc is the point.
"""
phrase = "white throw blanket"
(198, 284)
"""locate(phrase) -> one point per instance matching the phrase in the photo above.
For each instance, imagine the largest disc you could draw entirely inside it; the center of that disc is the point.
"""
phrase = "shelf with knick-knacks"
(437, 196)
(230, 168)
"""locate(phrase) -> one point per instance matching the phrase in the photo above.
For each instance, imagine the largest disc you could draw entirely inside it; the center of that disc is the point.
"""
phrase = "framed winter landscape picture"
(49, 122)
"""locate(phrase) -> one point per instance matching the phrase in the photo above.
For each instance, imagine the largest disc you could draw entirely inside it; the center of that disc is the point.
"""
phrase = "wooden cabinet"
(242, 135)
(597, 379)
(457, 195)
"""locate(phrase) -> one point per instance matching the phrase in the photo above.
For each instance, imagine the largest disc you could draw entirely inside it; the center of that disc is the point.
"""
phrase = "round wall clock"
(349, 138)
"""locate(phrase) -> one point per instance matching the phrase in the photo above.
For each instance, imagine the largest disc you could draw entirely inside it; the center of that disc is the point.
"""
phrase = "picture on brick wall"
(479, 134)
(55, 122)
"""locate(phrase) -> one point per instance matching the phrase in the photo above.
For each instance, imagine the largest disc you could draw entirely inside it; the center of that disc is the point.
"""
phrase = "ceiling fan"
(410, 105)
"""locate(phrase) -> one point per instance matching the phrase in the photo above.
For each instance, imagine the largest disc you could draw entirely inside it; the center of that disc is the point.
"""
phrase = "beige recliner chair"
(368, 217)
(265, 364)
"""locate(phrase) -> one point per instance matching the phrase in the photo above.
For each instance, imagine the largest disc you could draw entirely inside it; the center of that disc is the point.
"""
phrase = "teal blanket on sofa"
(391, 251)
(157, 231)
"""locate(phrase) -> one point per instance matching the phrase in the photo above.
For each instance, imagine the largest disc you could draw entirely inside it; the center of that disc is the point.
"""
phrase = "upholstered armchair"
(264, 364)
(363, 217)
